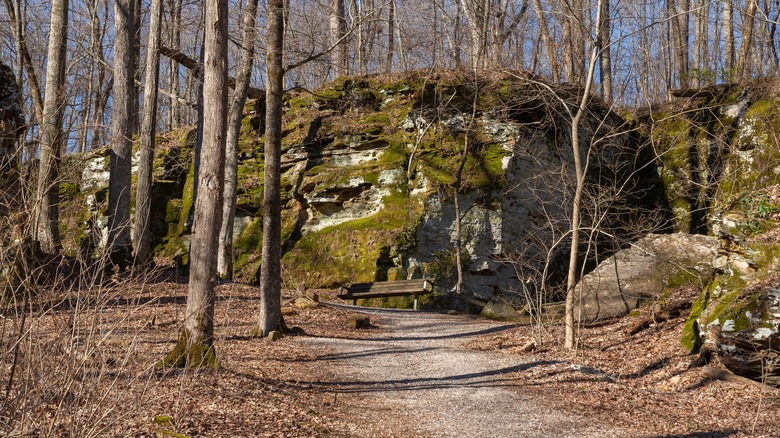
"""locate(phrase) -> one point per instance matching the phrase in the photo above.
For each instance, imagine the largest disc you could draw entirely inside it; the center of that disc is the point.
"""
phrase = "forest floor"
(87, 368)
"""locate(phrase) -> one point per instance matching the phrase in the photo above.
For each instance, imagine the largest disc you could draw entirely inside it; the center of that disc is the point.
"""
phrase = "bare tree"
(47, 205)
(270, 317)
(338, 28)
(225, 253)
(745, 65)
(143, 196)
(195, 347)
(603, 44)
(121, 133)
(547, 41)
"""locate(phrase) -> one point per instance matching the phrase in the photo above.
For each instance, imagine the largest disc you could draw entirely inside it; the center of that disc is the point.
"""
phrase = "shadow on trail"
(708, 434)
(359, 354)
(470, 380)
(433, 337)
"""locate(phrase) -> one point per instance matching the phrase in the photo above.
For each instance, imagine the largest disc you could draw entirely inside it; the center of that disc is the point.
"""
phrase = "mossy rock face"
(739, 312)
(716, 150)
(370, 164)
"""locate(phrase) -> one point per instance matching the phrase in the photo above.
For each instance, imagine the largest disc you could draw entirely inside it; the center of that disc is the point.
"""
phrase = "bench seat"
(382, 289)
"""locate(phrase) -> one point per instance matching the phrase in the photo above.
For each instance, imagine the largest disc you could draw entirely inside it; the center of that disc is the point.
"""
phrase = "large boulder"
(644, 271)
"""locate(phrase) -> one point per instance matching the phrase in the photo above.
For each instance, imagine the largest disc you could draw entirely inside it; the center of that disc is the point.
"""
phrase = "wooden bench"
(381, 289)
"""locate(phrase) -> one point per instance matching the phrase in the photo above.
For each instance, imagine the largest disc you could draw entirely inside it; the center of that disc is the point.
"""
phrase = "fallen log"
(671, 311)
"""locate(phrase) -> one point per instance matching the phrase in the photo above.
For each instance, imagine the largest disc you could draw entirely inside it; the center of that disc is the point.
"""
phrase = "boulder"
(356, 321)
(644, 271)
(500, 311)
(305, 303)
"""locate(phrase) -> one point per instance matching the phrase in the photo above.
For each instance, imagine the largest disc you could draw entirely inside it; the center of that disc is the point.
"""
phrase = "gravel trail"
(416, 378)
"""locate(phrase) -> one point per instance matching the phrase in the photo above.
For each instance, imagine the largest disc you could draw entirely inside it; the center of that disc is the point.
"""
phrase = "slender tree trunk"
(573, 41)
(391, 36)
(701, 55)
(175, 119)
(579, 172)
(17, 21)
(143, 196)
(270, 271)
(338, 28)
(678, 14)
(225, 254)
(745, 51)
(729, 47)
(47, 231)
(196, 342)
(549, 46)
(605, 58)
(135, 45)
(121, 133)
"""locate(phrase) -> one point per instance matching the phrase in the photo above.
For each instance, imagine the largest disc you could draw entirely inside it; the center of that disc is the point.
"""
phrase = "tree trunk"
(701, 55)
(270, 271)
(47, 231)
(391, 36)
(225, 254)
(121, 133)
(729, 48)
(745, 51)
(143, 196)
(338, 28)
(196, 342)
(605, 58)
(475, 16)
(678, 14)
(549, 46)
(175, 116)
(574, 54)
(580, 168)
(17, 21)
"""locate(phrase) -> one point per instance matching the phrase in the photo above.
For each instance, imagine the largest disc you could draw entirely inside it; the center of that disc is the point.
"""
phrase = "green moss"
(378, 118)
(691, 334)
(251, 237)
(348, 253)
(163, 420)
(189, 355)
(406, 302)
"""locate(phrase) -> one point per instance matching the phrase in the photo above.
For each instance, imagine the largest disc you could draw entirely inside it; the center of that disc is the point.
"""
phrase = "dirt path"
(414, 377)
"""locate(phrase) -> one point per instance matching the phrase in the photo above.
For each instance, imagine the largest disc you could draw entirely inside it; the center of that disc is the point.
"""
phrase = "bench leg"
(354, 302)
(415, 302)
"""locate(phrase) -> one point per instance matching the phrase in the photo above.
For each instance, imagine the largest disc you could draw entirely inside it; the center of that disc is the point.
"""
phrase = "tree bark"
(678, 14)
(391, 36)
(580, 168)
(549, 47)
(17, 21)
(121, 133)
(745, 51)
(605, 58)
(338, 28)
(47, 231)
(196, 343)
(729, 48)
(225, 253)
(143, 196)
(270, 318)
(174, 41)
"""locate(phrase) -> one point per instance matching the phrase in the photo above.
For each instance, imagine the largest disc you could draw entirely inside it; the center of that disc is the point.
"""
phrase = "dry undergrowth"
(85, 366)
(642, 380)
